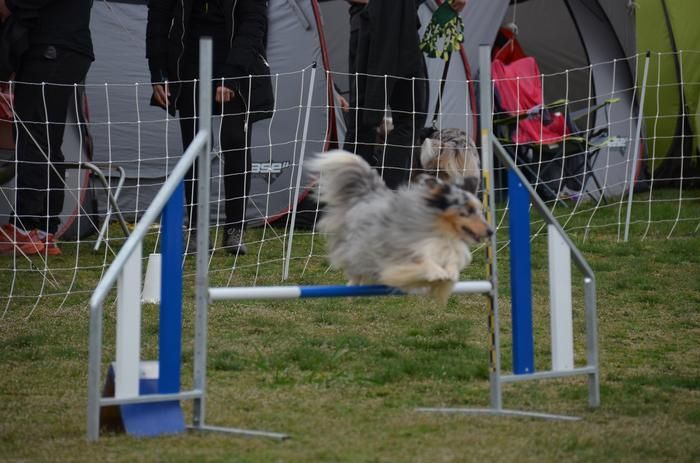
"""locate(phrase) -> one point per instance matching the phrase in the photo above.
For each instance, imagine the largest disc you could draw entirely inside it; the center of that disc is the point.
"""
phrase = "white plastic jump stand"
(151, 284)
(561, 316)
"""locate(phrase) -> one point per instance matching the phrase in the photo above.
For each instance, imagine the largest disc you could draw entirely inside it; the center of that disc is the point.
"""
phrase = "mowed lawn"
(343, 376)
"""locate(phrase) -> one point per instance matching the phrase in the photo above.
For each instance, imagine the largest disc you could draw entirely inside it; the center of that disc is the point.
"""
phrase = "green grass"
(343, 376)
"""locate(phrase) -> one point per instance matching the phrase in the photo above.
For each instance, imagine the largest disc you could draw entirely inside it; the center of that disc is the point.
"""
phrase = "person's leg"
(235, 147)
(188, 127)
(408, 102)
(41, 115)
(351, 115)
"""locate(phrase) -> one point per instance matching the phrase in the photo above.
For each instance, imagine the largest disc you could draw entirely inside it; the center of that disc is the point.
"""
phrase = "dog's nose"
(489, 232)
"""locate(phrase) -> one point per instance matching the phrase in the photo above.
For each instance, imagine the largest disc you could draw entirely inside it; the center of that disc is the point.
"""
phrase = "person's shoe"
(233, 242)
(48, 240)
(13, 239)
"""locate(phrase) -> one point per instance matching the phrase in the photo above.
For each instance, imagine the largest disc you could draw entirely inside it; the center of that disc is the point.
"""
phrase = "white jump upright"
(128, 352)
(560, 306)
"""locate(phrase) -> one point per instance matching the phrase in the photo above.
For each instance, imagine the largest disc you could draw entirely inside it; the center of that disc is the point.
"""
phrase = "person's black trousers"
(407, 101)
(39, 127)
(234, 141)
(352, 114)
(233, 138)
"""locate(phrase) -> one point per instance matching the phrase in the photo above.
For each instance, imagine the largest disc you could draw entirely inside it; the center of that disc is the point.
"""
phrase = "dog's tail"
(344, 178)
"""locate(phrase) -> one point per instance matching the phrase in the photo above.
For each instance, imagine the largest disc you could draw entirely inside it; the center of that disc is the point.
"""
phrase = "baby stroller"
(545, 142)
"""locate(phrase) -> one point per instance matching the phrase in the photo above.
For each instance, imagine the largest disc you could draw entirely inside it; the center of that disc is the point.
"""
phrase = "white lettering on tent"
(269, 167)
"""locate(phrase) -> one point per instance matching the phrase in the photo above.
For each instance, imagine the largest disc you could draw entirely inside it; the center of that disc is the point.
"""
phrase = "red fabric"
(6, 117)
(531, 130)
(510, 50)
(519, 89)
(6, 104)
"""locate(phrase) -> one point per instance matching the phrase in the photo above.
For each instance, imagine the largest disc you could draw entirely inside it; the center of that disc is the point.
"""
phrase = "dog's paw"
(437, 273)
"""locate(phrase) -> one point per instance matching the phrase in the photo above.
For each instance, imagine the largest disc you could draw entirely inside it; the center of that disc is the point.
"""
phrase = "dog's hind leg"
(413, 275)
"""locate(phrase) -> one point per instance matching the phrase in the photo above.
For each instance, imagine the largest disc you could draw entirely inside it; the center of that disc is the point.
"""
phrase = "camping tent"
(126, 131)
(673, 98)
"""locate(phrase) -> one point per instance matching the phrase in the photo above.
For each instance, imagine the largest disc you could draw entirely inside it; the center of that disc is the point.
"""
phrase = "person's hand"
(343, 103)
(160, 93)
(224, 94)
(458, 5)
(4, 10)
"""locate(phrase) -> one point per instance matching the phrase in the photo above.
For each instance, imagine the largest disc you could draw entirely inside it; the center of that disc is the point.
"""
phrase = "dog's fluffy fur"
(451, 155)
(415, 238)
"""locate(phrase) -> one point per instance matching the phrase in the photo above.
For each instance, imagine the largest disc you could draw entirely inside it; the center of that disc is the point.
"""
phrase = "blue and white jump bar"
(303, 292)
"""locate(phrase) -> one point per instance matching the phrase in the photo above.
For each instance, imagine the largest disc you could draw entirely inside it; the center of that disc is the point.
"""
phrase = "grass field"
(342, 376)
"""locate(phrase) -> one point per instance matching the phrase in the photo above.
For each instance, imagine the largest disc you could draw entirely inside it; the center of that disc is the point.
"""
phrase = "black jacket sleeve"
(160, 16)
(250, 36)
(16, 5)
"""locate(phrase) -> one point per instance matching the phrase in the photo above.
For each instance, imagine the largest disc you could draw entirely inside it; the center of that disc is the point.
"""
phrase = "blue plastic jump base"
(145, 419)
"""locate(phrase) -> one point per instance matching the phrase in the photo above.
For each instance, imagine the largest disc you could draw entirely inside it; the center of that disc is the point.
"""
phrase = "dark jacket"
(14, 42)
(246, 25)
(62, 23)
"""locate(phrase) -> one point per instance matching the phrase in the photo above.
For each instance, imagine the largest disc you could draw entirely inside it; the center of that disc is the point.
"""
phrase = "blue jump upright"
(521, 277)
(163, 376)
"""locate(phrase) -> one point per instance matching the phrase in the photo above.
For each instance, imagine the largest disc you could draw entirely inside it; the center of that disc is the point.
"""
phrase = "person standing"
(52, 55)
(243, 87)
(391, 72)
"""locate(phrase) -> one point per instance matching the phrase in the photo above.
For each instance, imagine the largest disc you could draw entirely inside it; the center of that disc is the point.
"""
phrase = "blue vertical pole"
(170, 340)
(520, 275)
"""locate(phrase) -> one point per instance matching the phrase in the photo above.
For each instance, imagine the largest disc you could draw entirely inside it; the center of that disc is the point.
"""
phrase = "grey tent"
(589, 39)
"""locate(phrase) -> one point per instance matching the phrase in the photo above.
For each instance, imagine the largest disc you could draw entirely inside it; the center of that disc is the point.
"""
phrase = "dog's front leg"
(440, 291)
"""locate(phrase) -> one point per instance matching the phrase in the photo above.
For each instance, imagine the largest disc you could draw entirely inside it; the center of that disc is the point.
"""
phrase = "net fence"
(579, 141)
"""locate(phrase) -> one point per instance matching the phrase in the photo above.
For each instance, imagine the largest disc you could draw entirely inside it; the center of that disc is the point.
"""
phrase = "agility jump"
(148, 395)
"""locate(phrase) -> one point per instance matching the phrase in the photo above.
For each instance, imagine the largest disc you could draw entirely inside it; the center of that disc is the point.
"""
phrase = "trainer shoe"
(233, 241)
(13, 239)
(48, 240)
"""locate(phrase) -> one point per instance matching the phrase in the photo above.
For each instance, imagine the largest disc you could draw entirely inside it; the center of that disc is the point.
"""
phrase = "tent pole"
(300, 164)
(637, 136)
